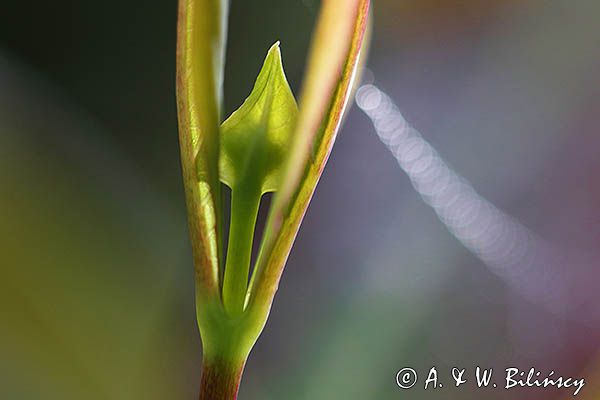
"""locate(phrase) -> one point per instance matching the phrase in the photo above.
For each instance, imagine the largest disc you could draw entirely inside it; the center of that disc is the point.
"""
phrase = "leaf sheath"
(200, 56)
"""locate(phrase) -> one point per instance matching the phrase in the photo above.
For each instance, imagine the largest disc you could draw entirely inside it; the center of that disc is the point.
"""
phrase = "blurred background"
(96, 279)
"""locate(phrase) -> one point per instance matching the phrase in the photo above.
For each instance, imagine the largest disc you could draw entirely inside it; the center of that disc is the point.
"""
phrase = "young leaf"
(255, 141)
(332, 67)
(256, 138)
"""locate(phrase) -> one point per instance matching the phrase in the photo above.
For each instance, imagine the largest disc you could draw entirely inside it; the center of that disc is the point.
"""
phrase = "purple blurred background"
(96, 282)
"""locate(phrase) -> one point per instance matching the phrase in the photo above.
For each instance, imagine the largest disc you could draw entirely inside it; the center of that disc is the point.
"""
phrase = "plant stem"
(220, 379)
(244, 211)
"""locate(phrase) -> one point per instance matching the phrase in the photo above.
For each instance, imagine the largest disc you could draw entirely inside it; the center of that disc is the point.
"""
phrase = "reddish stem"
(220, 379)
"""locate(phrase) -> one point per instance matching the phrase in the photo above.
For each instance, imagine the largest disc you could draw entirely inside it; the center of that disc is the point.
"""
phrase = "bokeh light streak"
(511, 251)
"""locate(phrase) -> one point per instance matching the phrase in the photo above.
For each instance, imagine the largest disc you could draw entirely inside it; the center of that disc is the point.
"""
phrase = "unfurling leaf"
(255, 141)
(256, 138)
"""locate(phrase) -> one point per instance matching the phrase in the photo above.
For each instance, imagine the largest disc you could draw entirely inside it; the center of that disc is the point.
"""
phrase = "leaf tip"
(274, 53)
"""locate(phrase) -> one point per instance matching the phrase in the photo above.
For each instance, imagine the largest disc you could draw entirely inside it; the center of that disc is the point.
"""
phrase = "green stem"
(244, 210)
(220, 379)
